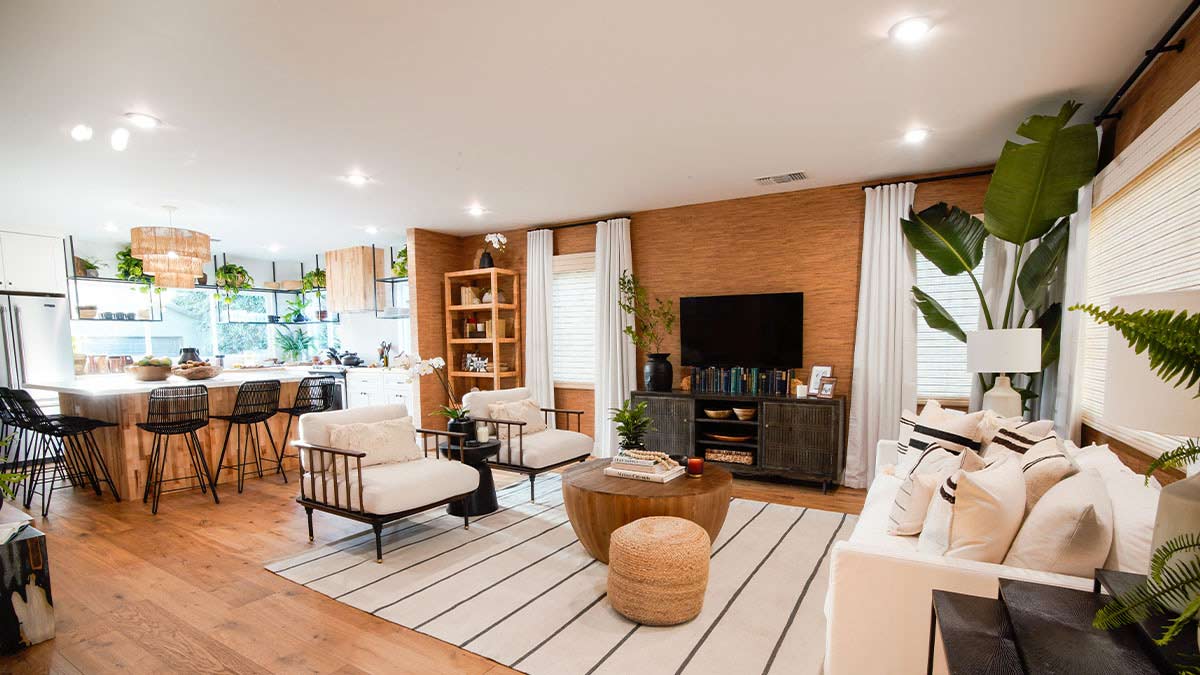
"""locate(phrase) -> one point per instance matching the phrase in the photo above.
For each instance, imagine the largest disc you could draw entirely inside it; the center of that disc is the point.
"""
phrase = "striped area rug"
(518, 588)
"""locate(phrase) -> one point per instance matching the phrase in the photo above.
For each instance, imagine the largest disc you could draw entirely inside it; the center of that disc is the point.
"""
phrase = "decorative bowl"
(745, 413)
(198, 372)
(718, 414)
(151, 373)
(728, 438)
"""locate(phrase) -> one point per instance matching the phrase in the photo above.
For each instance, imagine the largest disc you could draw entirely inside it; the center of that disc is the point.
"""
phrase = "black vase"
(485, 260)
(657, 374)
(464, 425)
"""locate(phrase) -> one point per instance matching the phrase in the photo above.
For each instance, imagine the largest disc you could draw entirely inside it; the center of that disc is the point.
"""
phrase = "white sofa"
(878, 604)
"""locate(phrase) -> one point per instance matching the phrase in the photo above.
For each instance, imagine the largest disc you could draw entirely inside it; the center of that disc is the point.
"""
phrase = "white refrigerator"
(36, 332)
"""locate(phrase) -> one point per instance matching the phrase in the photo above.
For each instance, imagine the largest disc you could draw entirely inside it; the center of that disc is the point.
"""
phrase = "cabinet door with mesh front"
(800, 437)
(672, 424)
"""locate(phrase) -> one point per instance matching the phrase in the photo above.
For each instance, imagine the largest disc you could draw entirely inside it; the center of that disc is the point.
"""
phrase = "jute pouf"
(658, 570)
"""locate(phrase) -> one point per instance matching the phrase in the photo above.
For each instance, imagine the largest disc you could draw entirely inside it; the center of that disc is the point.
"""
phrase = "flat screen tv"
(752, 331)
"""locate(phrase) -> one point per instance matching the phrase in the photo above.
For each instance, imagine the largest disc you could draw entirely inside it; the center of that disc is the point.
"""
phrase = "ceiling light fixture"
(175, 257)
(110, 227)
(911, 31)
(120, 139)
(81, 132)
(142, 120)
(357, 179)
(476, 210)
(274, 248)
(916, 136)
(371, 229)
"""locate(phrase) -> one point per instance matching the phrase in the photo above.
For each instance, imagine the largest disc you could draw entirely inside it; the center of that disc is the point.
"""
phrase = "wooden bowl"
(718, 414)
(199, 372)
(151, 373)
(745, 413)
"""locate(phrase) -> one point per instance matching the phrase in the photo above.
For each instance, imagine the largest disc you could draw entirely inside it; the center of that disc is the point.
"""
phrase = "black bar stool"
(176, 411)
(64, 441)
(256, 403)
(315, 394)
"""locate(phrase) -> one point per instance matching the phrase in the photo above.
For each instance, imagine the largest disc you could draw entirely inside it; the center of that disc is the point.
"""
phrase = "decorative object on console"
(1004, 351)
(745, 414)
(718, 414)
(814, 380)
(828, 384)
(652, 322)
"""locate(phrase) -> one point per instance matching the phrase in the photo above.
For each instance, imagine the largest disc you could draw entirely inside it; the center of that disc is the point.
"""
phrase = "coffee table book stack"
(637, 468)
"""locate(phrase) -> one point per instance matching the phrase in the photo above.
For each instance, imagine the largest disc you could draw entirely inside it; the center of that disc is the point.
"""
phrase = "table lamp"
(1135, 397)
(1004, 351)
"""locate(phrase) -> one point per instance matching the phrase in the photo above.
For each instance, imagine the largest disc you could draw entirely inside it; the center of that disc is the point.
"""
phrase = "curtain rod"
(949, 176)
(581, 223)
(1160, 48)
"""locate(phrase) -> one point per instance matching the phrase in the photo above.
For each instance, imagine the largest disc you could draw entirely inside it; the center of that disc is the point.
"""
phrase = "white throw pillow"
(954, 432)
(1020, 439)
(1044, 465)
(916, 492)
(1070, 529)
(526, 410)
(992, 423)
(1134, 506)
(385, 442)
(975, 515)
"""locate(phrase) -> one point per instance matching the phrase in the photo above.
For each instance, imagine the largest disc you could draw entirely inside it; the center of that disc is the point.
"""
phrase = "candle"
(695, 467)
(481, 433)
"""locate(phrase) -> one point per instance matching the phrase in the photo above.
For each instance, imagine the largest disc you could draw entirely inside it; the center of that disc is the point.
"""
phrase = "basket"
(199, 372)
(745, 413)
(718, 414)
(729, 456)
(150, 373)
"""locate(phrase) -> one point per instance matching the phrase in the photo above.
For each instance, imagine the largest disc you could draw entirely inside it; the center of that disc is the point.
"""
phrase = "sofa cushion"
(1044, 465)
(525, 410)
(1134, 506)
(975, 515)
(1069, 530)
(992, 424)
(953, 432)
(545, 448)
(402, 486)
(384, 441)
(916, 492)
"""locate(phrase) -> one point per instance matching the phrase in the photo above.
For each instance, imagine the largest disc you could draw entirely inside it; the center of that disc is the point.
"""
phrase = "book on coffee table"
(649, 476)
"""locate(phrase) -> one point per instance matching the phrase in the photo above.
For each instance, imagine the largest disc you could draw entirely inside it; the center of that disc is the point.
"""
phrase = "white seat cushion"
(544, 448)
(392, 488)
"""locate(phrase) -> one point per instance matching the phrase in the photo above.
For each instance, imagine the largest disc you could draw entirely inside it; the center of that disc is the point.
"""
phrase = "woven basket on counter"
(198, 373)
(730, 456)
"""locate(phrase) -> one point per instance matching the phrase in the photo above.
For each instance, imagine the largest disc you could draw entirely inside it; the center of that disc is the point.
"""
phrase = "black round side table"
(483, 500)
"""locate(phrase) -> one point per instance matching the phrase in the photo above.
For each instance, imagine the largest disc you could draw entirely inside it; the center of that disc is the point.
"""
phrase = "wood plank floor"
(185, 591)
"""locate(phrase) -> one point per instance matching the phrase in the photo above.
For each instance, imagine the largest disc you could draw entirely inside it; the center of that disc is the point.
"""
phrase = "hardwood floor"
(185, 591)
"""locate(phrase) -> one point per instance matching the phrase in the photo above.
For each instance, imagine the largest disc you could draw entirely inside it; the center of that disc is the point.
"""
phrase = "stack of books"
(641, 469)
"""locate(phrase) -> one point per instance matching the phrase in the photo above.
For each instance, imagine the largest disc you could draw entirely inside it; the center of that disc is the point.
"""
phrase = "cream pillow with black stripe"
(1044, 465)
(953, 431)
(912, 500)
(1014, 428)
(976, 514)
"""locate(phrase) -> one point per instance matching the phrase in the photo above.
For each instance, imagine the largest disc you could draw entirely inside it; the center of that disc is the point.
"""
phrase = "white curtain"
(539, 280)
(616, 367)
(885, 341)
(1068, 394)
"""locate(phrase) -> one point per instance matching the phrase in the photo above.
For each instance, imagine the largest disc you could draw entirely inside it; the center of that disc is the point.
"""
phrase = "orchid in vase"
(495, 240)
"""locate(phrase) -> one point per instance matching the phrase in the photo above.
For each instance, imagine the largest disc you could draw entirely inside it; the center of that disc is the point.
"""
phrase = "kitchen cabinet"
(350, 279)
(31, 263)
(374, 386)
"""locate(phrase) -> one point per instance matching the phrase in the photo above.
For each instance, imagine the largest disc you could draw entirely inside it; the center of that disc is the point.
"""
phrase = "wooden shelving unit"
(502, 347)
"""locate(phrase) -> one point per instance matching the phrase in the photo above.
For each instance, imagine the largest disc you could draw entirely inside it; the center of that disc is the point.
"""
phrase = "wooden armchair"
(350, 484)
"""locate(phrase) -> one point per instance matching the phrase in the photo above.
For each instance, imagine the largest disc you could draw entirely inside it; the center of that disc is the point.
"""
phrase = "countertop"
(125, 383)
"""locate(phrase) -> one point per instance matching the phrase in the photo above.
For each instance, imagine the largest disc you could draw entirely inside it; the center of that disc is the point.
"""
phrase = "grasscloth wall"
(806, 240)
(430, 256)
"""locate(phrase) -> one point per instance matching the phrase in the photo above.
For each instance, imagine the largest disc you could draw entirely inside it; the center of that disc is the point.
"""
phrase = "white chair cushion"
(314, 427)
(526, 410)
(401, 486)
(545, 448)
(385, 441)
(478, 401)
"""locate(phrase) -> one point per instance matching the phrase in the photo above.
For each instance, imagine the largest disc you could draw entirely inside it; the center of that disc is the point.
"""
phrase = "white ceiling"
(540, 110)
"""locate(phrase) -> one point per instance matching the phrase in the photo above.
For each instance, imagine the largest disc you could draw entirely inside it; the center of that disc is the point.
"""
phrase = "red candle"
(695, 467)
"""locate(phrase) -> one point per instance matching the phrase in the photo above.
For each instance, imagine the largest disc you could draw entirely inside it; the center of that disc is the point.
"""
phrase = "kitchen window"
(573, 320)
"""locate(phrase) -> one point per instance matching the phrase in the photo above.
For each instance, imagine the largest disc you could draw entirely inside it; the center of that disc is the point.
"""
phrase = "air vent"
(781, 178)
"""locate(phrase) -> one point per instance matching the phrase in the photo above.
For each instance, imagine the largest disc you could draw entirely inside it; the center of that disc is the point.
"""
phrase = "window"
(574, 319)
(1144, 238)
(941, 359)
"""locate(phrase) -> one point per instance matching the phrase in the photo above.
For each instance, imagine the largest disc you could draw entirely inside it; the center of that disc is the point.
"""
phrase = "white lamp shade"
(1134, 395)
(1009, 350)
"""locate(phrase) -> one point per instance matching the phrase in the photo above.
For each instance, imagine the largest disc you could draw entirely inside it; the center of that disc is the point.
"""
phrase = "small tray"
(728, 438)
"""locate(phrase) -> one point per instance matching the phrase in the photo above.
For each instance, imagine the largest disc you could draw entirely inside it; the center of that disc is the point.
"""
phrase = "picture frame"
(814, 382)
(827, 387)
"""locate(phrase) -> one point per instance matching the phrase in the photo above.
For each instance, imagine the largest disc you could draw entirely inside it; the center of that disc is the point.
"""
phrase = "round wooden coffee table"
(597, 504)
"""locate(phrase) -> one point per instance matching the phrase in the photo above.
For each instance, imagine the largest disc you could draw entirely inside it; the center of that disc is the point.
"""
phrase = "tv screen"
(752, 331)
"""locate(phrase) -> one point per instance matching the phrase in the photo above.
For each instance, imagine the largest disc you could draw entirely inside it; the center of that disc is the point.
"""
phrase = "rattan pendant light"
(174, 256)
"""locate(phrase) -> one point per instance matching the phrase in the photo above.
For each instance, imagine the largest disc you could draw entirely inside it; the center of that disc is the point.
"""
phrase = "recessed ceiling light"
(357, 179)
(142, 120)
(81, 132)
(914, 136)
(109, 227)
(911, 30)
(371, 229)
(476, 210)
(172, 255)
(274, 248)
(120, 139)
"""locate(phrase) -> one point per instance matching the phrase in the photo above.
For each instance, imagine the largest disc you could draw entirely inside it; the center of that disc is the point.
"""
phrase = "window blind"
(574, 318)
(1144, 238)
(941, 359)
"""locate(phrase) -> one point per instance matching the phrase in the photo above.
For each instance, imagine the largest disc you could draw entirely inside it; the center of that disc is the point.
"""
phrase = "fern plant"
(1175, 584)
(1171, 337)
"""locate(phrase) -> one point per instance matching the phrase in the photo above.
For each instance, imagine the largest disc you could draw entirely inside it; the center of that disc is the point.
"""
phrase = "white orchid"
(496, 240)
(437, 362)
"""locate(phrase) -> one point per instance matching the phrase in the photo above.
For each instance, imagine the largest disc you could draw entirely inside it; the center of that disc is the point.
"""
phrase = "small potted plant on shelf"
(400, 264)
(495, 240)
(231, 280)
(313, 282)
(87, 266)
(633, 423)
(652, 321)
(294, 345)
(129, 268)
(296, 307)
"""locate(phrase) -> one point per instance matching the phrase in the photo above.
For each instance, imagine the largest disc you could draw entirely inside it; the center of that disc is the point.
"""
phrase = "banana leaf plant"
(1029, 202)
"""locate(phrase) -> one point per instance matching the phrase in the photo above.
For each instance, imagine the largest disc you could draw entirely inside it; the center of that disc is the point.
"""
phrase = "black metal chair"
(314, 395)
(256, 403)
(61, 444)
(176, 411)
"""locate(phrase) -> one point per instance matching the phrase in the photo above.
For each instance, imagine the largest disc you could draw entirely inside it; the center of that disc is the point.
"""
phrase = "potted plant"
(296, 307)
(652, 321)
(87, 266)
(459, 418)
(400, 264)
(231, 280)
(313, 282)
(633, 423)
(129, 268)
(494, 240)
(293, 344)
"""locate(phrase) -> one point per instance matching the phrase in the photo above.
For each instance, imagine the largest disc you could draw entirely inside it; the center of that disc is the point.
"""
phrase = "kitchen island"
(123, 400)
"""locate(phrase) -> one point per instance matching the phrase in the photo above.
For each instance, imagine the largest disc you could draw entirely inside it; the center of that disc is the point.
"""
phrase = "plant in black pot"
(633, 423)
(652, 321)
(458, 420)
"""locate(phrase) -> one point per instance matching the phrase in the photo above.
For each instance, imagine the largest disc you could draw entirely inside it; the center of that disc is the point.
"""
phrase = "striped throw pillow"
(953, 431)
(993, 424)
(1045, 465)
(1016, 440)
(912, 500)
(908, 420)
